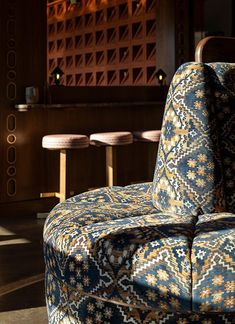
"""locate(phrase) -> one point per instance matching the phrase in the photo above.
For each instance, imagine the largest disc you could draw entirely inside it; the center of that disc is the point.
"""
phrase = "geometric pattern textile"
(104, 265)
(72, 307)
(213, 263)
(161, 252)
(139, 260)
(189, 174)
(224, 98)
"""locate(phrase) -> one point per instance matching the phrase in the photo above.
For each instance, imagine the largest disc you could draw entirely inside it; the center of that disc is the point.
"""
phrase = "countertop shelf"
(27, 107)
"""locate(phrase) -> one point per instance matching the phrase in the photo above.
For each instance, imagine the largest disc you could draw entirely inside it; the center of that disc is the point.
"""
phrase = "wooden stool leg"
(111, 170)
(64, 183)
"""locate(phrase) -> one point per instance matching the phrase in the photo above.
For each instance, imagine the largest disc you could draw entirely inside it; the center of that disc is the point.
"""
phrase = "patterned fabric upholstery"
(213, 263)
(72, 307)
(224, 96)
(188, 175)
(111, 258)
(161, 252)
(116, 258)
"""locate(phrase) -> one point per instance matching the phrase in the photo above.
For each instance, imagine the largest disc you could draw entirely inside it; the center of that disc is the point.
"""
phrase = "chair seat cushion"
(213, 264)
(65, 141)
(147, 136)
(111, 244)
(110, 256)
(111, 138)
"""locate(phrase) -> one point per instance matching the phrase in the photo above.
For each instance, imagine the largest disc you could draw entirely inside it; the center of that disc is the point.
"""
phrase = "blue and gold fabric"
(161, 252)
(213, 263)
(126, 253)
(188, 176)
(224, 98)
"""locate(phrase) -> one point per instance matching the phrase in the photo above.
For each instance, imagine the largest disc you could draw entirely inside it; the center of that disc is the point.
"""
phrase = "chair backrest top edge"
(215, 49)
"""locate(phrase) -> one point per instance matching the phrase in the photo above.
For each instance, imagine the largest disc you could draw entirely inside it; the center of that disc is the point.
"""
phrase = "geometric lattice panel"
(100, 42)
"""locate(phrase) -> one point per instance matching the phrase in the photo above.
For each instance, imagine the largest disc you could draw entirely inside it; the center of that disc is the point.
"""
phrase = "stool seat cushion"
(65, 141)
(147, 135)
(111, 138)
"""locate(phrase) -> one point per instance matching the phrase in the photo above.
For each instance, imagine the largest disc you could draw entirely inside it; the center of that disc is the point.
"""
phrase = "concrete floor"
(21, 271)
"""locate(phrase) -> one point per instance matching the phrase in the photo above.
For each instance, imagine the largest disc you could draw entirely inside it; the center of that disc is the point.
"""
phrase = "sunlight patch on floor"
(4, 231)
(14, 241)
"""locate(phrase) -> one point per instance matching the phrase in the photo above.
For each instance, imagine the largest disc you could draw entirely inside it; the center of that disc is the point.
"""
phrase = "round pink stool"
(63, 143)
(111, 140)
(151, 136)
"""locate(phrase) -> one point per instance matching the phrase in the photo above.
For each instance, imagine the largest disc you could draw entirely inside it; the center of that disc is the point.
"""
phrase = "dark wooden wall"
(23, 63)
(174, 34)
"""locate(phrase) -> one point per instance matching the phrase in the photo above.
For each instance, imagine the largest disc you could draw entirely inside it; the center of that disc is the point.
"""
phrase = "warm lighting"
(57, 75)
(5, 231)
(90, 5)
(161, 75)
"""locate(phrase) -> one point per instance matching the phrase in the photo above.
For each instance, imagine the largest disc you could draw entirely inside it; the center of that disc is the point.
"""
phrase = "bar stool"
(151, 136)
(63, 143)
(111, 140)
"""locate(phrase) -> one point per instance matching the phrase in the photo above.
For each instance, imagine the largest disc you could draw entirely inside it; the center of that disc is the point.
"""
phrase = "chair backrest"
(216, 49)
(195, 169)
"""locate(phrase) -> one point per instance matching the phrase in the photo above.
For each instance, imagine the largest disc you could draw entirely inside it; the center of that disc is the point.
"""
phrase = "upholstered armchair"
(161, 252)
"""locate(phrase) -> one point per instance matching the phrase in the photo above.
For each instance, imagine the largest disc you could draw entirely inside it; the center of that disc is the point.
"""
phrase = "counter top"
(26, 107)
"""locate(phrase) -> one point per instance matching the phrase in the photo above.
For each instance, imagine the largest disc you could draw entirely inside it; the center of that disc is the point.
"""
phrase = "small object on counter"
(23, 107)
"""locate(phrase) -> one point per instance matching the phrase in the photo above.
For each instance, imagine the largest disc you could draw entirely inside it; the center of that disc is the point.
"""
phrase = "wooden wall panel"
(174, 34)
(23, 63)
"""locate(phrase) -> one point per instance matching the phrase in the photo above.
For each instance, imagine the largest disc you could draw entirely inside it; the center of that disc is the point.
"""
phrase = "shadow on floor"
(21, 266)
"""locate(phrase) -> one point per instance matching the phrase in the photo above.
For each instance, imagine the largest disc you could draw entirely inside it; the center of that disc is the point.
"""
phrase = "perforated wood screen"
(102, 42)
